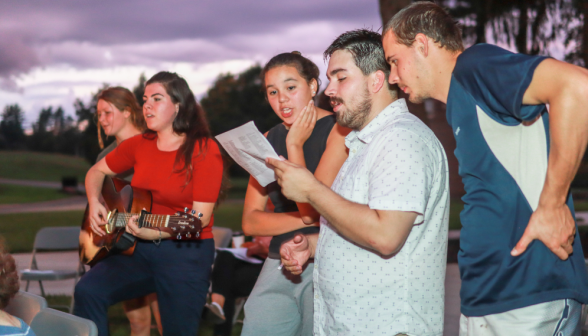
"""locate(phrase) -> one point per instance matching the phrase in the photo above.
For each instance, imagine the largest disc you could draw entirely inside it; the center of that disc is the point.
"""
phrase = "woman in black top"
(282, 304)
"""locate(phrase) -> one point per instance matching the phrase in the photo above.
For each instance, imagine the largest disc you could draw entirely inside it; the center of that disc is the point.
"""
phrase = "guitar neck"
(150, 220)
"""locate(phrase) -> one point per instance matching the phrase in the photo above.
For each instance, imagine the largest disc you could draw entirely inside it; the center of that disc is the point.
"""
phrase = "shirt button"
(353, 150)
(316, 296)
(315, 266)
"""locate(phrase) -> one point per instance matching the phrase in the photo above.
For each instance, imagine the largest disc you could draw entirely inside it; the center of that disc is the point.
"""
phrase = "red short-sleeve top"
(154, 171)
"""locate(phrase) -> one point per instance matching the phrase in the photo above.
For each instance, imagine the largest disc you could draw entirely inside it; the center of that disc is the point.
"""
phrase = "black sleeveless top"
(313, 151)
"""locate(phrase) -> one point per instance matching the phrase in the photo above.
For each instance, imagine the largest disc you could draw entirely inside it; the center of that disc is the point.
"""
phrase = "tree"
(235, 100)
(11, 131)
(88, 144)
(530, 26)
(390, 7)
(42, 140)
(139, 90)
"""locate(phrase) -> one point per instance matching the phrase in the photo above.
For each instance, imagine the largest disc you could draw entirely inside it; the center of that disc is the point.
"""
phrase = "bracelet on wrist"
(157, 242)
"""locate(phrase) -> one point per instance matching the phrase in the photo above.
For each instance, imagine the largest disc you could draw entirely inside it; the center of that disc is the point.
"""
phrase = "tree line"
(230, 102)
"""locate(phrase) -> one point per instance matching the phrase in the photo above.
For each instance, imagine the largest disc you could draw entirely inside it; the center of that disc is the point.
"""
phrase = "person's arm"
(299, 132)
(153, 233)
(564, 87)
(94, 180)
(331, 160)
(257, 222)
(384, 231)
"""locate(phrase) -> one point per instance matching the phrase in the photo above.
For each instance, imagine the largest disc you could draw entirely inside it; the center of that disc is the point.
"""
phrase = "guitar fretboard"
(150, 220)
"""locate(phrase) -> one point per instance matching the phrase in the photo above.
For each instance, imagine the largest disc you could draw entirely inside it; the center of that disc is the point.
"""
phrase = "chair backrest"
(51, 322)
(26, 305)
(222, 236)
(58, 238)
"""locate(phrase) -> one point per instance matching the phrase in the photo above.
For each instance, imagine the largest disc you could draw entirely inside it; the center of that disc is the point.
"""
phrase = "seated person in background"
(233, 278)
(9, 285)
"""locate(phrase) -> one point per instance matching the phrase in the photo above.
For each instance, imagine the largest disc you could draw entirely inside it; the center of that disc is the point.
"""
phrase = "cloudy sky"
(52, 52)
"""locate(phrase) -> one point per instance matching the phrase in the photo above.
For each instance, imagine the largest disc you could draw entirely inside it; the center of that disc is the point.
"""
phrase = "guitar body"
(117, 195)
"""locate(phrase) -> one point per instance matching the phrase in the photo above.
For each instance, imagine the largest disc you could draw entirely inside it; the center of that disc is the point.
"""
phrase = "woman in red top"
(181, 165)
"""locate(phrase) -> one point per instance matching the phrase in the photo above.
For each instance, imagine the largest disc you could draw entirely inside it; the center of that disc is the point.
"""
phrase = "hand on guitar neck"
(145, 233)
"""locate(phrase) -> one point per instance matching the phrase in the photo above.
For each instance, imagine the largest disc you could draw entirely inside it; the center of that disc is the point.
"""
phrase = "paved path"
(39, 184)
(65, 204)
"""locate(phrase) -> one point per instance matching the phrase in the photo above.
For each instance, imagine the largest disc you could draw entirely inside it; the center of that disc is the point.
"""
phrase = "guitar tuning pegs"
(197, 234)
(193, 212)
(191, 226)
(174, 228)
(188, 235)
(186, 209)
(177, 213)
(192, 219)
(200, 215)
(179, 237)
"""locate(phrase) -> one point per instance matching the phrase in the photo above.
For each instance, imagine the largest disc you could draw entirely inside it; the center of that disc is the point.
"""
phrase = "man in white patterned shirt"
(381, 253)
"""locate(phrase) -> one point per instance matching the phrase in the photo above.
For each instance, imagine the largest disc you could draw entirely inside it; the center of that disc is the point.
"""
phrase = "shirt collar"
(382, 119)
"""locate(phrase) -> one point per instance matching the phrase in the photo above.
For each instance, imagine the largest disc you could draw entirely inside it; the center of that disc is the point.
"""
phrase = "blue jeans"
(178, 271)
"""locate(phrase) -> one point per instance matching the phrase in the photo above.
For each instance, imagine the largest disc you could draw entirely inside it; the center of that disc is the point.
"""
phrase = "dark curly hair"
(9, 284)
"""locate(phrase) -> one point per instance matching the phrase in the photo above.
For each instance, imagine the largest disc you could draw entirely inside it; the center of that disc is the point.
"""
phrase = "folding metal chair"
(51, 322)
(54, 239)
(25, 306)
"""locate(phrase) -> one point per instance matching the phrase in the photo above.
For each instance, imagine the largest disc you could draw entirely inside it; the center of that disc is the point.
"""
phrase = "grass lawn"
(41, 166)
(19, 229)
(12, 194)
(238, 187)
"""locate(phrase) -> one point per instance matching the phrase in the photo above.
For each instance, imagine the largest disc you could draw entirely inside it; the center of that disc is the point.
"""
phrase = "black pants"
(232, 278)
(178, 271)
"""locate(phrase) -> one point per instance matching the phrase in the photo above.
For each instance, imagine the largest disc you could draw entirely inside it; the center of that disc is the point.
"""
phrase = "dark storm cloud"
(108, 22)
(104, 33)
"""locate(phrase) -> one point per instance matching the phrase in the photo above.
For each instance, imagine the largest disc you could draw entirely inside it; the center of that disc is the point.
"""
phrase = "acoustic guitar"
(122, 201)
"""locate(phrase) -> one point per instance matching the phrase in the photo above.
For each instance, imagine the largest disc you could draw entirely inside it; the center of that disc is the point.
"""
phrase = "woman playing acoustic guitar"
(181, 165)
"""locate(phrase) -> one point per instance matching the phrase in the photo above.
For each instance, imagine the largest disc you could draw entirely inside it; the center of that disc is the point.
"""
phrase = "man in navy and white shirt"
(521, 261)
(382, 250)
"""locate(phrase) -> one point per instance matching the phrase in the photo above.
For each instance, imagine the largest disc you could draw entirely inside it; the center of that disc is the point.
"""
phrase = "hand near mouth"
(302, 127)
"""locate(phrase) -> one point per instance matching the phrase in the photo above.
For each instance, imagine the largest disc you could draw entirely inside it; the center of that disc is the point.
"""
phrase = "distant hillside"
(41, 166)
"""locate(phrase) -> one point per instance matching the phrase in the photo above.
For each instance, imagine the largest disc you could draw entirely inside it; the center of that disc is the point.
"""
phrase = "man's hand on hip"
(554, 226)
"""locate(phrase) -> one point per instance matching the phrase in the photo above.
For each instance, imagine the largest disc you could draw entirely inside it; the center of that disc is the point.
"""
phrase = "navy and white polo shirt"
(502, 149)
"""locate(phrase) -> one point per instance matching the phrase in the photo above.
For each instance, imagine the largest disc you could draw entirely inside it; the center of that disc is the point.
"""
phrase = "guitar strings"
(151, 220)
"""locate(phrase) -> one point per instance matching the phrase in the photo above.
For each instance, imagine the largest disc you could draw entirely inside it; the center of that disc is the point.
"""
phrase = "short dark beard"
(355, 119)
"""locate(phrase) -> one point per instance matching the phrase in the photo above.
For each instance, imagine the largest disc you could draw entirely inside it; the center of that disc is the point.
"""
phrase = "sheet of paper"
(241, 253)
(249, 148)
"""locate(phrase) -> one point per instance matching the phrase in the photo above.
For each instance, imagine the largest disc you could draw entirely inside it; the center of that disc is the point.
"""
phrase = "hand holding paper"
(249, 148)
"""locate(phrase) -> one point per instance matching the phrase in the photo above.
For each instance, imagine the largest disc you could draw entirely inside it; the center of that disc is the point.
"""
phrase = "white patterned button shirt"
(394, 163)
